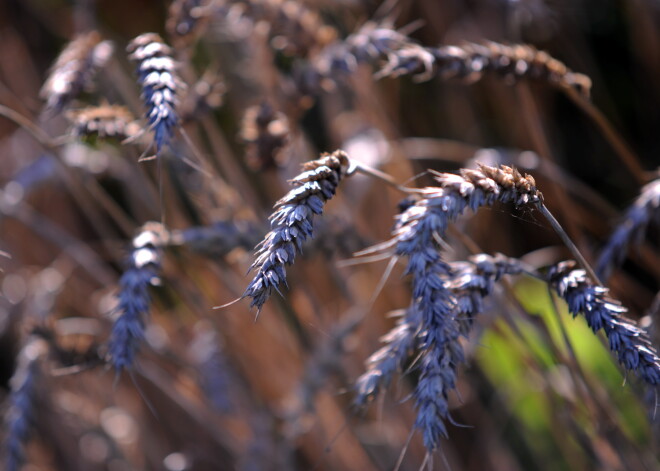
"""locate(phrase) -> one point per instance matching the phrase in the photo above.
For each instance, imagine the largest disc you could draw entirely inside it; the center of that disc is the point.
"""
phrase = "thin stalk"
(618, 143)
(44, 227)
(25, 123)
(534, 124)
(75, 187)
(382, 176)
(569, 243)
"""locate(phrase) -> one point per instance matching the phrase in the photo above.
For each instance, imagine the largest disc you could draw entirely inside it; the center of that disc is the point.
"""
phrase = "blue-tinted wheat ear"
(400, 343)
(20, 416)
(217, 239)
(435, 321)
(644, 210)
(293, 222)
(631, 343)
(134, 300)
(160, 83)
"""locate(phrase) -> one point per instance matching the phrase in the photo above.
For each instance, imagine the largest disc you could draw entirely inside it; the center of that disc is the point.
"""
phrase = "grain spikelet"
(632, 345)
(292, 223)
(134, 300)
(160, 85)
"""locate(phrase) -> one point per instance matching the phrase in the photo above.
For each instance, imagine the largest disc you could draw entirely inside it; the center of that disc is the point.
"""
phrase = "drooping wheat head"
(292, 223)
(631, 344)
(218, 239)
(339, 59)
(631, 230)
(400, 343)
(435, 317)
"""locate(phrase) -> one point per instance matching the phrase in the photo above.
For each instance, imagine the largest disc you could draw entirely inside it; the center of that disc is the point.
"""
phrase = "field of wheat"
(329, 235)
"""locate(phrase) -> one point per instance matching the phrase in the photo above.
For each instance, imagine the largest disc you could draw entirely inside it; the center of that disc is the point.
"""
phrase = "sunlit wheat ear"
(432, 208)
(293, 222)
(456, 193)
(266, 131)
(74, 69)
(25, 385)
(518, 61)
(134, 300)
(103, 122)
(369, 44)
(631, 230)
(160, 85)
(631, 343)
(434, 304)
(187, 20)
(470, 62)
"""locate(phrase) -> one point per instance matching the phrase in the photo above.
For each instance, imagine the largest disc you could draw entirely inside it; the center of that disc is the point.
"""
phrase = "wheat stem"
(569, 243)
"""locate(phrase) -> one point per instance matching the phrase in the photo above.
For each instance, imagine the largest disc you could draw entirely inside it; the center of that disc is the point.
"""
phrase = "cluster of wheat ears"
(134, 339)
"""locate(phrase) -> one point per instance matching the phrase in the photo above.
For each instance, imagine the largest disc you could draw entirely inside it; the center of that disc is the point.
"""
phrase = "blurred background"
(215, 390)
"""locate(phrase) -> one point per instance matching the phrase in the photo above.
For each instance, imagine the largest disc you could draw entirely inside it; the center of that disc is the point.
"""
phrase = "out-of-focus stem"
(569, 243)
(610, 134)
(24, 122)
(382, 176)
